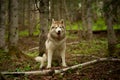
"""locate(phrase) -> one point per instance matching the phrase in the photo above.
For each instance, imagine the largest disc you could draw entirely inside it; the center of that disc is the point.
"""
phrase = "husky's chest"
(55, 46)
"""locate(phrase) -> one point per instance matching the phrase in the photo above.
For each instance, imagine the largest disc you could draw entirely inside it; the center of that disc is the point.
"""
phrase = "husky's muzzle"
(58, 30)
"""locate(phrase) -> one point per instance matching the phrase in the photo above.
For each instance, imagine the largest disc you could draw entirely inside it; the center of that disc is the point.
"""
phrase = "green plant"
(18, 69)
(27, 67)
(118, 45)
(23, 33)
(32, 54)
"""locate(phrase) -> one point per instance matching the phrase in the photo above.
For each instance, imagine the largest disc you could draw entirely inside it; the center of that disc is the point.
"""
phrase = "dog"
(55, 44)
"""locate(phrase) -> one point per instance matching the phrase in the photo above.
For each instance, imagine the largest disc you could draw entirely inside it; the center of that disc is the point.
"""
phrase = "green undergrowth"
(26, 33)
(33, 54)
(98, 25)
(98, 47)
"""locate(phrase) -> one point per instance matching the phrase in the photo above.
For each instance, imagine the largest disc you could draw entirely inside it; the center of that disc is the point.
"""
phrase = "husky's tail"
(42, 60)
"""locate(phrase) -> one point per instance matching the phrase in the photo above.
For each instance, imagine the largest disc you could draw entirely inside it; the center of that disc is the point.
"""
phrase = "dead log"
(41, 72)
(85, 55)
(50, 72)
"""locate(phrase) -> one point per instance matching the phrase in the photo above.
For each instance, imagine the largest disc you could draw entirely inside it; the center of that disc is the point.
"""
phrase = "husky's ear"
(62, 21)
(53, 21)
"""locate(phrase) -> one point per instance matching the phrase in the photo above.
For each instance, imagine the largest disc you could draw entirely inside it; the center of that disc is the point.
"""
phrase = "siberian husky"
(55, 44)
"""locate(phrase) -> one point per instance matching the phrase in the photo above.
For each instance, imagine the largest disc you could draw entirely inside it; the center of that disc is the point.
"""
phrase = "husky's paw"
(64, 65)
(48, 67)
(41, 66)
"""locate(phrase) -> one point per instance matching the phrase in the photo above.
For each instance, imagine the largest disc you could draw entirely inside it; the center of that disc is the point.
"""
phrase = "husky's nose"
(58, 30)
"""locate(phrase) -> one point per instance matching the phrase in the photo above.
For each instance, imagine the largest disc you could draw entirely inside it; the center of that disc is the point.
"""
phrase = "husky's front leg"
(50, 53)
(63, 58)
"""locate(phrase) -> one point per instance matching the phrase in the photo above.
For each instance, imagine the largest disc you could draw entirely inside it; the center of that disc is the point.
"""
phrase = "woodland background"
(93, 31)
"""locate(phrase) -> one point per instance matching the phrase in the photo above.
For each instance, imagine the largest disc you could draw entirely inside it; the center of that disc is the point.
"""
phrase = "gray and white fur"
(55, 44)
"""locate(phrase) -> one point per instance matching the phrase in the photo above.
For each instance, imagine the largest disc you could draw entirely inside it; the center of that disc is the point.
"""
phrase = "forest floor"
(75, 54)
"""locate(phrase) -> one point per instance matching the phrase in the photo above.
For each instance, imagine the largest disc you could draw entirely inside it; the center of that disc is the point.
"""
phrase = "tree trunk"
(57, 9)
(66, 14)
(84, 19)
(28, 16)
(30, 19)
(111, 36)
(54, 9)
(2, 24)
(13, 29)
(44, 16)
(21, 13)
(89, 20)
(13, 23)
(112, 40)
(62, 10)
(33, 17)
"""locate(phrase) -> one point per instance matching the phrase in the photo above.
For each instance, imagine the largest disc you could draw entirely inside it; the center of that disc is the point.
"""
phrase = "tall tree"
(83, 5)
(2, 24)
(54, 9)
(14, 50)
(89, 19)
(33, 17)
(30, 17)
(57, 10)
(108, 13)
(44, 16)
(13, 24)
(21, 13)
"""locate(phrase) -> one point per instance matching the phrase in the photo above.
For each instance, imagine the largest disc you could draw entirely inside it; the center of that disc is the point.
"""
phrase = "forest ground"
(75, 54)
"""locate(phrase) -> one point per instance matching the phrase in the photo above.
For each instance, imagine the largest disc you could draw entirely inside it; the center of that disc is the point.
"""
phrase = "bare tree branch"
(50, 71)
(37, 6)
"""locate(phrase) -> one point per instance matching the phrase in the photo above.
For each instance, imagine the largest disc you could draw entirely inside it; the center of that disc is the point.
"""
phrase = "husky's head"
(57, 29)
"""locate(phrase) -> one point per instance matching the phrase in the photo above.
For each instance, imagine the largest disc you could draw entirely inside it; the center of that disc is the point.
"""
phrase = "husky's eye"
(52, 27)
(61, 27)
